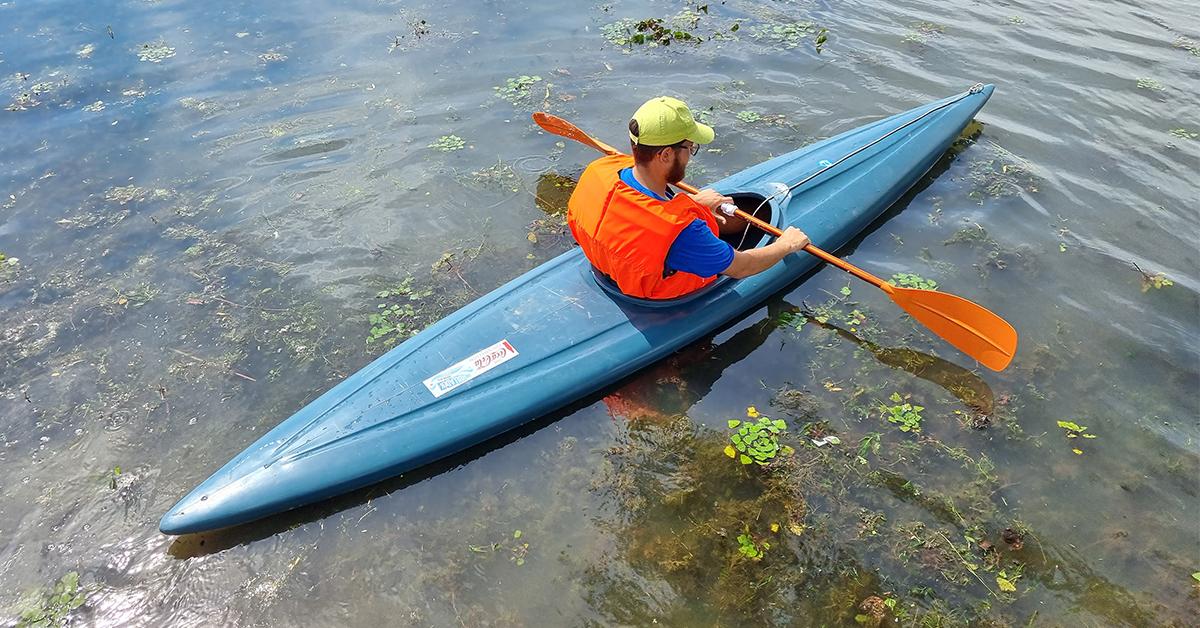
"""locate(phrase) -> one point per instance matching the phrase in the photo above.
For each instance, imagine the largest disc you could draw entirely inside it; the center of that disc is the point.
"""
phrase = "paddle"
(970, 327)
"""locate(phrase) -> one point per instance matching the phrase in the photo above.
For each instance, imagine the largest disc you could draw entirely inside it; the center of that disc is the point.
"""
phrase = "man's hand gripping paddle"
(971, 328)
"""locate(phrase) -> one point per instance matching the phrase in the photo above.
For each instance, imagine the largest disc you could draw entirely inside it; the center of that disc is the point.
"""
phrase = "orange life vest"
(627, 235)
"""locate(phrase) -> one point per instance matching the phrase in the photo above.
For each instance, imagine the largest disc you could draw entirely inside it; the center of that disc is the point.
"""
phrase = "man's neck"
(655, 184)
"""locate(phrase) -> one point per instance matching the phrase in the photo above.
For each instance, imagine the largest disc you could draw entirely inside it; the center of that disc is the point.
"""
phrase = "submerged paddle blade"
(971, 328)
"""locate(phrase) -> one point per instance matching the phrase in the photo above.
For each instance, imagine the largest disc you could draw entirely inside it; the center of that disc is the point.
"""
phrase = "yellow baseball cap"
(664, 121)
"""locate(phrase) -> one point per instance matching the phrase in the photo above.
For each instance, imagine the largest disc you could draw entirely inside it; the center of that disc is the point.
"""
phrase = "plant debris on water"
(155, 51)
(1157, 281)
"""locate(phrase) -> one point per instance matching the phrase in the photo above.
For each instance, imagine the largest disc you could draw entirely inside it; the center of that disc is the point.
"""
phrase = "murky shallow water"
(205, 202)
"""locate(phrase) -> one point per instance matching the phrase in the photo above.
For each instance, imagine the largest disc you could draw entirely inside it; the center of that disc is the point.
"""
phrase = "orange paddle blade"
(971, 328)
(556, 125)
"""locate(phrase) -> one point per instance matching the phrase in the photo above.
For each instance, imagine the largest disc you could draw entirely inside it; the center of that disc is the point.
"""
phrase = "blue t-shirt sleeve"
(696, 250)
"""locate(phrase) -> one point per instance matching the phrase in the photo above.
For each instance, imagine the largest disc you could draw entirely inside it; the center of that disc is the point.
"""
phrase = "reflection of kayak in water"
(558, 332)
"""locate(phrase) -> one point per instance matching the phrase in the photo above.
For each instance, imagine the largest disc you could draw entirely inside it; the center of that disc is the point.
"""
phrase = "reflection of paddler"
(674, 385)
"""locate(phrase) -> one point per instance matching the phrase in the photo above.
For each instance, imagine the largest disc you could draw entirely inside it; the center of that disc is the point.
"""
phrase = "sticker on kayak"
(470, 368)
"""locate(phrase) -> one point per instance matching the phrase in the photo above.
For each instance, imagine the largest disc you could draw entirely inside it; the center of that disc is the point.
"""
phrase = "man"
(653, 243)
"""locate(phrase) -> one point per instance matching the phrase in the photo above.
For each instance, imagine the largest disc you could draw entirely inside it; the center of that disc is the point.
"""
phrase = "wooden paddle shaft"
(808, 248)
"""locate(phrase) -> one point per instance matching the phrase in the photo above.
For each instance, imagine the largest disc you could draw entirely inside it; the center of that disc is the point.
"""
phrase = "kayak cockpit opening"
(744, 239)
(752, 237)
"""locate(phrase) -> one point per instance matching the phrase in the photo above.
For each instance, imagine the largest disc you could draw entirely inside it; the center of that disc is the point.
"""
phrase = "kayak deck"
(555, 334)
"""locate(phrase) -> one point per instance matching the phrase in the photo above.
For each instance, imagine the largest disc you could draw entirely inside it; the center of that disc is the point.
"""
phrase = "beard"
(675, 174)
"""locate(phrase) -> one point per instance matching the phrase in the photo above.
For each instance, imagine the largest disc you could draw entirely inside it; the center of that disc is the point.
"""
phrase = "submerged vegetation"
(52, 608)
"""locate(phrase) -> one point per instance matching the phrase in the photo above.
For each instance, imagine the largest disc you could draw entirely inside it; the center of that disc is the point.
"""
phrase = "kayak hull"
(555, 334)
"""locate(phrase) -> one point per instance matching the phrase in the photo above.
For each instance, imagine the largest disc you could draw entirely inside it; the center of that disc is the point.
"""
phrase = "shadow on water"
(963, 383)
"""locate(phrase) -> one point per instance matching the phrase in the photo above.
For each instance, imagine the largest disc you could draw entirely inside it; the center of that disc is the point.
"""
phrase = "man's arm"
(754, 261)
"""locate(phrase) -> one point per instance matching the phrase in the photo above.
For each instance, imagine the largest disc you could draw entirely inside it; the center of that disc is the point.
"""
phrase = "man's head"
(664, 136)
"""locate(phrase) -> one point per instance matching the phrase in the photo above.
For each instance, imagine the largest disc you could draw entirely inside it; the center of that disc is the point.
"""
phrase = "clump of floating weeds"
(1185, 134)
(648, 32)
(903, 413)
(155, 52)
(922, 32)
(1183, 43)
(52, 607)
(396, 317)
(516, 90)
(909, 280)
(749, 117)
(448, 143)
(756, 442)
(785, 35)
(1151, 84)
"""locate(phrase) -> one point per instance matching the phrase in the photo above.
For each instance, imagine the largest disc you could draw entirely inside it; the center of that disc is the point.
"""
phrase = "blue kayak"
(559, 332)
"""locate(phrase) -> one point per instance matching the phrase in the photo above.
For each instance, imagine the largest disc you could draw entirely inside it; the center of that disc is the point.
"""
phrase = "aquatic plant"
(748, 548)
(1151, 84)
(51, 608)
(498, 175)
(867, 446)
(921, 32)
(1185, 134)
(448, 143)
(784, 35)
(756, 442)
(1157, 281)
(909, 280)
(749, 117)
(650, 32)
(516, 89)
(903, 413)
(793, 320)
(1008, 582)
(1183, 43)
(1074, 430)
(396, 317)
